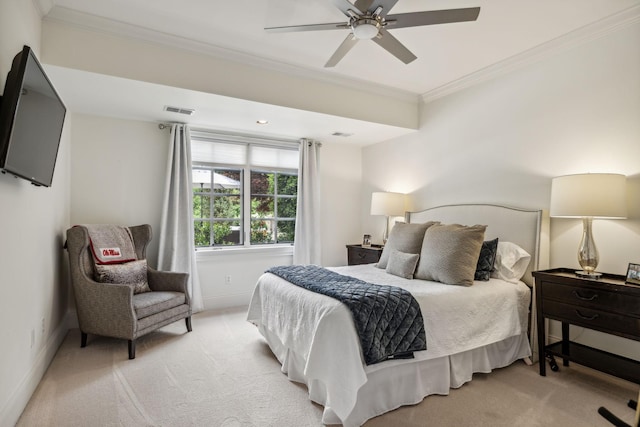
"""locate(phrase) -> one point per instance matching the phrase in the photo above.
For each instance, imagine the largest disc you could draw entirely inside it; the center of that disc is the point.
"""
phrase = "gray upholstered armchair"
(114, 310)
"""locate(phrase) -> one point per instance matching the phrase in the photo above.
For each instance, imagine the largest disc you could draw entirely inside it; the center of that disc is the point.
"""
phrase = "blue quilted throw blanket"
(387, 318)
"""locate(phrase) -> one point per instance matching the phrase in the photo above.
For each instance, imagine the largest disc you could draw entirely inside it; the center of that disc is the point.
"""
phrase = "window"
(244, 192)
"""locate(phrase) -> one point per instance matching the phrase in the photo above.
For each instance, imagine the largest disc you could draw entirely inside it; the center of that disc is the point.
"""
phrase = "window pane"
(227, 207)
(227, 181)
(261, 183)
(287, 185)
(286, 231)
(262, 207)
(287, 207)
(201, 206)
(202, 232)
(201, 180)
(227, 233)
(262, 231)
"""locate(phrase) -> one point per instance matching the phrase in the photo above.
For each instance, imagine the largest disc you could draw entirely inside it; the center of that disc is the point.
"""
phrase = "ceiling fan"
(369, 20)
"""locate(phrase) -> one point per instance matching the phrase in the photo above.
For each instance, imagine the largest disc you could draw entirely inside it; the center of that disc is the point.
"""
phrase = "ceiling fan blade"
(345, 6)
(394, 47)
(363, 5)
(342, 50)
(386, 6)
(432, 17)
(309, 27)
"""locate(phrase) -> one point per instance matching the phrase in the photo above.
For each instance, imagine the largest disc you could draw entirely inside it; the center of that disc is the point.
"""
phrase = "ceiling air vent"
(342, 134)
(186, 111)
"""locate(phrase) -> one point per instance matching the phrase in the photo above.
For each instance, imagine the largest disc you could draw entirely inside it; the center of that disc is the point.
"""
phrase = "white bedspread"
(319, 329)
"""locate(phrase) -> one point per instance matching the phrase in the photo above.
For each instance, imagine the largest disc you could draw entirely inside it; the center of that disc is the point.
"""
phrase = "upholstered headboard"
(521, 226)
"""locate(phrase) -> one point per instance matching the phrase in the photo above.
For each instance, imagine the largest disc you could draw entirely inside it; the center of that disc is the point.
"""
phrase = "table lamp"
(388, 204)
(589, 196)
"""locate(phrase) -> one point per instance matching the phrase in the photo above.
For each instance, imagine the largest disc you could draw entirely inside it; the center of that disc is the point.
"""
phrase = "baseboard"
(71, 319)
(227, 301)
(11, 411)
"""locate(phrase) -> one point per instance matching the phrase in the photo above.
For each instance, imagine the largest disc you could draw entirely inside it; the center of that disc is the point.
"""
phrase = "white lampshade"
(597, 195)
(388, 204)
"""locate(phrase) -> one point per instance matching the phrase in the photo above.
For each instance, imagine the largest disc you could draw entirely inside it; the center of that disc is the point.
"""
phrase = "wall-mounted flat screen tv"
(31, 120)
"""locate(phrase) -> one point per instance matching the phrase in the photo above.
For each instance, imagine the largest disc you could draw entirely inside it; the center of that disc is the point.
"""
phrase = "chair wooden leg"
(83, 339)
(188, 321)
(132, 349)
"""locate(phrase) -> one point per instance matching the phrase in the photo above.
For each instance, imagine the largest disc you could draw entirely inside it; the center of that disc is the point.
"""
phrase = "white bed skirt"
(402, 382)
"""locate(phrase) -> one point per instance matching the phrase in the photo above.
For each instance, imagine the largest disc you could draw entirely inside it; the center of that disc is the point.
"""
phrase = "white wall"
(503, 141)
(33, 272)
(341, 189)
(118, 173)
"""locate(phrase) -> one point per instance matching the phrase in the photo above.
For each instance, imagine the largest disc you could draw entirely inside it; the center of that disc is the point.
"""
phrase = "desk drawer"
(593, 319)
(597, 299)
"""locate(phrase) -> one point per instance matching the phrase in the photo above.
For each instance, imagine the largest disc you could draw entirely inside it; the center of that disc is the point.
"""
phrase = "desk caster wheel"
(552, 362)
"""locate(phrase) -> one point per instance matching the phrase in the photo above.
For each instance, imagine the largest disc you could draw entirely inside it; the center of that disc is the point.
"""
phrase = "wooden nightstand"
(356, 254)
(607, 304)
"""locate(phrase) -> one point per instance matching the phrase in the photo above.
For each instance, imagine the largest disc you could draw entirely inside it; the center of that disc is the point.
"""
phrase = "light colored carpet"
(223, 374)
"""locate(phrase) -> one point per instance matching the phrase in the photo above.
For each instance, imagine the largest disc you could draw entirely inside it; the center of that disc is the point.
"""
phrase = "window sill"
(272, 250)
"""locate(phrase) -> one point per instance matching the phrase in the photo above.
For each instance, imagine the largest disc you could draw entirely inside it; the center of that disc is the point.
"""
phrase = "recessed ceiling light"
(262, 122)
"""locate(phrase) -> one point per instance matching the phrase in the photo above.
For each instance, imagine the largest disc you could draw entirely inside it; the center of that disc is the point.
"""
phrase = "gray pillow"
(402, 264)
(132, 273)
(450, 253)
(405, 238)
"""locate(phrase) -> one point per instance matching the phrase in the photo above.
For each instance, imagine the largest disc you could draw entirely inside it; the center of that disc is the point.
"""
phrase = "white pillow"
(511, 262)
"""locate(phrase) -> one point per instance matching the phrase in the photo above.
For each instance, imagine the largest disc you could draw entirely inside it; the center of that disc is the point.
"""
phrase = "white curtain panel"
(177, 250)
(307, 247)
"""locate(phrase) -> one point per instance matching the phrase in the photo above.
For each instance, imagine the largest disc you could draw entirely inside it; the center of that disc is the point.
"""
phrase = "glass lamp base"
(588, 274)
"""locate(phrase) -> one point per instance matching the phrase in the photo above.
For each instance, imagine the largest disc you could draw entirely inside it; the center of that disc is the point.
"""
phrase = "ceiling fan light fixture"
(365, 29)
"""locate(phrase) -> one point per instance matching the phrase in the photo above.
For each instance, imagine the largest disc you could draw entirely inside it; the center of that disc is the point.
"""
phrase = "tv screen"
(31, 120)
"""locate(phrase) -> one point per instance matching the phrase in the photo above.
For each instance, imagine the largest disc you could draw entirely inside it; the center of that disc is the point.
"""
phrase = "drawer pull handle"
(583, 298)
(582, 316)
(361, 255)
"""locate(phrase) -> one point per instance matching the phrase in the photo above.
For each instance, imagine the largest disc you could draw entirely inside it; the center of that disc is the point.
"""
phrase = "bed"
(469, 329)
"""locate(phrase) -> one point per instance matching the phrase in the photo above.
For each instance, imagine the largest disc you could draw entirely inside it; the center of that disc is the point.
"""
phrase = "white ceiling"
(446, 53)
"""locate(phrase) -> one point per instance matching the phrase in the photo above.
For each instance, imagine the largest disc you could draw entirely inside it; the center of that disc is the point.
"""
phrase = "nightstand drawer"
(592, 318)
(356, 254)
(592, 297)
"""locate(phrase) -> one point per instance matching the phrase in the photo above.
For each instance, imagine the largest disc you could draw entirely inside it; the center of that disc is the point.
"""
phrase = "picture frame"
(366, 241)
(633, 274)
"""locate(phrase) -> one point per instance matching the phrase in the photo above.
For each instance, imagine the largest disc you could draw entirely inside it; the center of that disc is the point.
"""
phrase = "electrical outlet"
(42, 326)
(227, 279)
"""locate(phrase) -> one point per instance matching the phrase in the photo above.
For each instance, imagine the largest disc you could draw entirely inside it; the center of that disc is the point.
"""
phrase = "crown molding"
(112, 27)
(560, 44)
